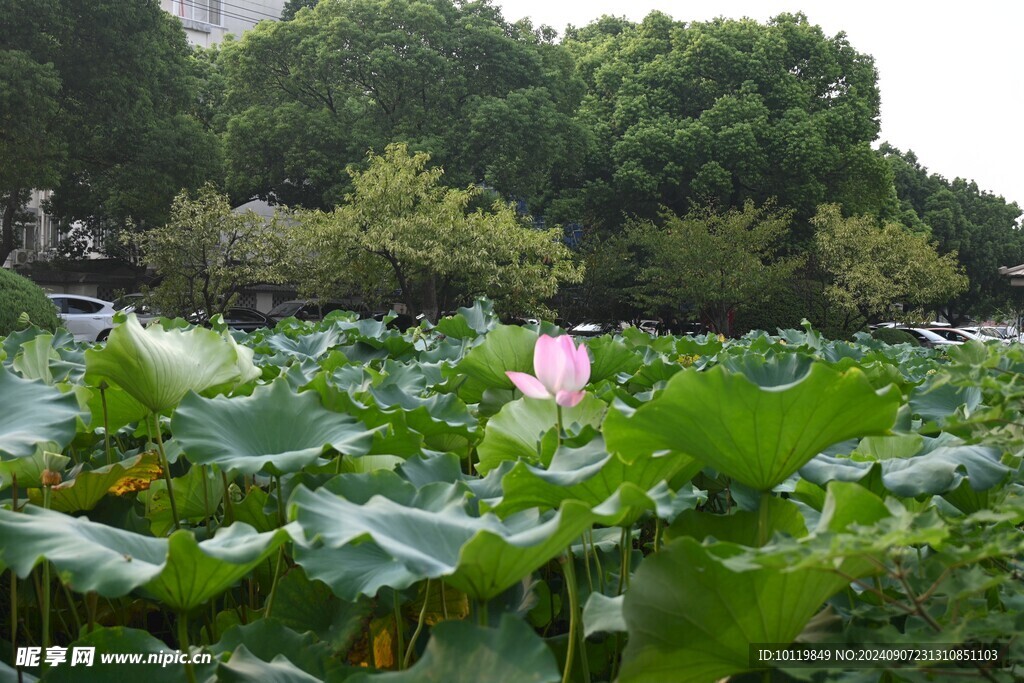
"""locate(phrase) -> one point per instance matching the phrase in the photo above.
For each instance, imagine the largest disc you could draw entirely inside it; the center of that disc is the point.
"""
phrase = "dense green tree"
(400, 228)
(206, 253)
(870, 266)
(97, 104)
(291, 7)
(724, 112)
(492, 102)
(716, 262)
(983, 230)
(22, 302)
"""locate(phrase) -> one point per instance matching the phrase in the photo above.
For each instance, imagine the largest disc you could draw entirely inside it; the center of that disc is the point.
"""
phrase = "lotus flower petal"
(528, 384)
(582, 362)
(548, 362)
(568, 399)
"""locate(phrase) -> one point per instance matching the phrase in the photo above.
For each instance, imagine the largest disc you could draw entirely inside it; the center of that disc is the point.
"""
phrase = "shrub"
(891, 335)
(19, 295)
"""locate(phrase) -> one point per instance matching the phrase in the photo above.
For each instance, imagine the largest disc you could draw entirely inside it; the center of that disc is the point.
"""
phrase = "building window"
(205, 11)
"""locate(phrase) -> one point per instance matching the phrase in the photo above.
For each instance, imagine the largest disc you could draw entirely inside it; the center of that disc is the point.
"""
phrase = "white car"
(85, 317)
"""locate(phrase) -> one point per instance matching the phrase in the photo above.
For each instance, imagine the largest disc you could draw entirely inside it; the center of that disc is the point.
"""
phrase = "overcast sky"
(951, 75)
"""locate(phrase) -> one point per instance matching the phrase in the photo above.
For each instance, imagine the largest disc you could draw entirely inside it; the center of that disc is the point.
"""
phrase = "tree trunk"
(429, 307)
(7, 231)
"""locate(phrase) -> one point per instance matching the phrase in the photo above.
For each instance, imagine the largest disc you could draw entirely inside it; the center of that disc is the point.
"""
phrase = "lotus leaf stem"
(167, 471)
(45, 594)
(229, 508)
(569, 572)
(762, 519)
(190, 672)
(106, 423)
(71, 608)
(399, 635)
(419, 624)
(625, 548)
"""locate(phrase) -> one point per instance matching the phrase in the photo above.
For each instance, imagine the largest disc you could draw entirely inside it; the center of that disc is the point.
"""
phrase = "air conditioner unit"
(19, 256)
(32, 257)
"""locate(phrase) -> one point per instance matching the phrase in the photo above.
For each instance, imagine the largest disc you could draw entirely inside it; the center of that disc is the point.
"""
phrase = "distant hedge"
(19, 295)
(892, 335)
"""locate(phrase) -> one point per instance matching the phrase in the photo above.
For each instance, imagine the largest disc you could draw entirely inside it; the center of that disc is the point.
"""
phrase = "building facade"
(206, 22)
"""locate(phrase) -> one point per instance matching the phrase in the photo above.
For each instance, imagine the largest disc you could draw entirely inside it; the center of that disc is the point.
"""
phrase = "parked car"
(306, 309)
(594, 329)
(1002, 333)
(137, 303)
(954, 334)
(929, 338)
(238, 318)
(85, 317)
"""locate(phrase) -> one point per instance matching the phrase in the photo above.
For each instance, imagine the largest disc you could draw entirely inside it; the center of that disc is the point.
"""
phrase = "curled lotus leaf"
(757, 434)
(180, 571)
(272, 430)
(434, 533)
(33, 413)
(158, 367)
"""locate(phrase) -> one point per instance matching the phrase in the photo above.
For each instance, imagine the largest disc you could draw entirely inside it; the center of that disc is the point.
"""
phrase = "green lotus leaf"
(461, 652)
(432, 533)
(121, 640)
(690, 617)
(432, 416)
(35, 358)
(602, 613)
(244, 666)
(354, 570)
(179, 571)
(89, 556)
(757, 435)
(741, 527)
(158, 366)
(940, 468)
(588, 474)
(303, 604)
(936, 400)
(28, 471)
(196, 572)
(506, 347)
(517, 432)
(273, 430)
(309, 345)
(610, 356)
(121, 408)
(88, 488)
(33, 412)
(267, 639)
(469, 322)
(197, 495)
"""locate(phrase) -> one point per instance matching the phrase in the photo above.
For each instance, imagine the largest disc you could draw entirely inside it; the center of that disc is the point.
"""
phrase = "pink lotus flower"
(562, 370)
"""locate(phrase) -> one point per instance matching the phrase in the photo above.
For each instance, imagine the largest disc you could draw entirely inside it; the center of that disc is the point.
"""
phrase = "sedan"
(86, 318)
(956, 335)
(929, 338)
(246, 319)
(237, 318)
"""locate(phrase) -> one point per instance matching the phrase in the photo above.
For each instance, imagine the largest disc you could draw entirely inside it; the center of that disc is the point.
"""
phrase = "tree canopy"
(400, 228)
(97, 106)
(871, 266)
(490, 101)
(724, 112)
(206, 253)
(982, 229)
(713, 262)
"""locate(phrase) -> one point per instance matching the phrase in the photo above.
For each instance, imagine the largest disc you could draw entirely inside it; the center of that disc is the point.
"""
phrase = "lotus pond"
(342, 501)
